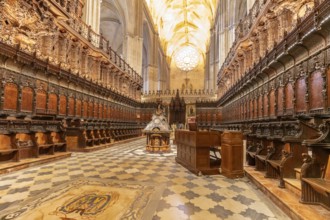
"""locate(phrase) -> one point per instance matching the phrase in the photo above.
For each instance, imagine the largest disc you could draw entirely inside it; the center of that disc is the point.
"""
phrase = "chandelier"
(187, 58)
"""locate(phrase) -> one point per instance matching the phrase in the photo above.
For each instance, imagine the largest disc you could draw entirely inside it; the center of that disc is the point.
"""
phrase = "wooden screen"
(315, 92)
(279, 101)
(100, 110)
(300, 95)
(85, 107)
(266, 105)
(251, 109)
(52, 103)
(272, 103)
(105, 111)
(78, 107)
(260, 106)
(27, 99)
(10, 97)
(96, 109)
(71, 106)
(41, 101)
(289, 99)
(90, 110)
(255, 108)
(109, 112)
(62, 107)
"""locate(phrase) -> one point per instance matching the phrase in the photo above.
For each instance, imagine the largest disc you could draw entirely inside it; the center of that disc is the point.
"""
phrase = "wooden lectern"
(232, 154)
(193, 149)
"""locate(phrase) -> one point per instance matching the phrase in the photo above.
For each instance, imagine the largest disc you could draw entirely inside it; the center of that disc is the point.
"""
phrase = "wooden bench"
(43, 143)
(26, 147)
(89, 138)
(58, 139)
(106, 139)
(96, 137)
(256, 148)
(315, 182)
(8, 151)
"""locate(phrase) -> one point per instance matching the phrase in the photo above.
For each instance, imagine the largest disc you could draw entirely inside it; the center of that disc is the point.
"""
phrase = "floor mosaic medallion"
(90, 199)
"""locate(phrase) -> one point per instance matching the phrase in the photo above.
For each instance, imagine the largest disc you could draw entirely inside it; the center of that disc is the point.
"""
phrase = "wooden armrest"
(7, 151)
(319, 184)
(261, 157)
(274, 163)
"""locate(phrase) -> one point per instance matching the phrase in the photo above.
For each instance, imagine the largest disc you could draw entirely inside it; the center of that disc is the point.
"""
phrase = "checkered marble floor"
(187, 196)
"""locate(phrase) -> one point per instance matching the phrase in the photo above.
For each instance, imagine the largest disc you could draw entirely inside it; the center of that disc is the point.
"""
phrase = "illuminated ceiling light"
(183, 22)
(187, 58)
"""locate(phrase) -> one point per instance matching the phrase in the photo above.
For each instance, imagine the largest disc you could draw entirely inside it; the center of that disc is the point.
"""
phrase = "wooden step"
(294, 185)
(298, 173)
(285, 199)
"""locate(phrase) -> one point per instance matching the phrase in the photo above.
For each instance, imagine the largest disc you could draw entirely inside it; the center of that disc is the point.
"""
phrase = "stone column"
(92, 14)
(133, 52)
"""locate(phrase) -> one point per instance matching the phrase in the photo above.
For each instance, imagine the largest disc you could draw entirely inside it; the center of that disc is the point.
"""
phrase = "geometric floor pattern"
(186, 196)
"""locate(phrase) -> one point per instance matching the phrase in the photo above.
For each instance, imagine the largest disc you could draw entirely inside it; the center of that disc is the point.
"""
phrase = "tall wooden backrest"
(10, 97)
(301, 90)
(316, 100)
(52, 103)
(63, 104)
(327, 170)
(27, 99)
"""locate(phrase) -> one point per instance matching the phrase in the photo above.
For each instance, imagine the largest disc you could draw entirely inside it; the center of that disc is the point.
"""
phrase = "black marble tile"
(190, 195)
(25, 180)
(18, 190)
(236, 189)
(213, 187)
(8, 178)
(244, 200)
(6, 205)
(216, 197)
(190, 185)
(168, 192)
(42, 181)
(189, 208)
(45, 173)
(221, 212)
(162, 204)
(253, 214)
(5, 187)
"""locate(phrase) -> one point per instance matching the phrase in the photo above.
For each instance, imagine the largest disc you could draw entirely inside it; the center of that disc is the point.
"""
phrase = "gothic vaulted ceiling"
(182, 23)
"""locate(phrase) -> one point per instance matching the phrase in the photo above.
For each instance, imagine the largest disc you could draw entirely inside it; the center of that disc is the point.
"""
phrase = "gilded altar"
(158, 133)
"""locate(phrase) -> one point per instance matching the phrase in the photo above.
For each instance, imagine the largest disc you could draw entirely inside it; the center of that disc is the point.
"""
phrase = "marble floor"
(186, 196)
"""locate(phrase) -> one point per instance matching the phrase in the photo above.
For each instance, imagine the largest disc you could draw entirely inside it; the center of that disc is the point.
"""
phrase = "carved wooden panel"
(10, 97)
(251, 109)
(255, 108)
(272, 103)
(85, 107)
(100, 110)
(90, 110)
(52, 103)
(41, 101)
(78, 107)
(96, 110)
(27, 99)
(109, 112)
(105, 111)
(71, 106)
(260, 106)
(316, 90)
(266, 105)
(62, 107)
(289, 99)
(328, 85)
(279, 101)
(300, 95)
